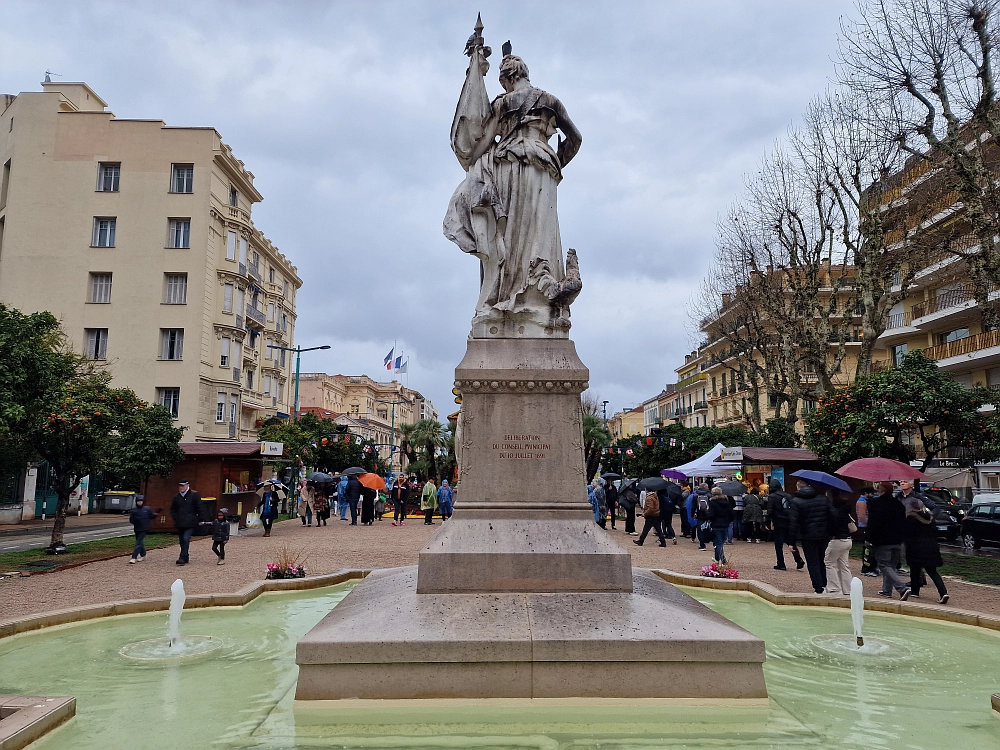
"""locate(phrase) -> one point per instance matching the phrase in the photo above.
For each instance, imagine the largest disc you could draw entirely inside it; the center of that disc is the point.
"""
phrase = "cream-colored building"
(379, 409)
(138, 237)
(626, 423)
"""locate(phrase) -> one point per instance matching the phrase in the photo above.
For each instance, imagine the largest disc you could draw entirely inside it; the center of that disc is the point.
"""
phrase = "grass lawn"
(967, 567)
(38, 559)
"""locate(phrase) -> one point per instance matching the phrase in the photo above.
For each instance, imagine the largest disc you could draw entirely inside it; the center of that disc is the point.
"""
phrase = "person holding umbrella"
(886, 521)
(811, 520)
(651, 518)
(611, 495)
(267, 507)
(920, 540)
(352, 495)
(628, 498)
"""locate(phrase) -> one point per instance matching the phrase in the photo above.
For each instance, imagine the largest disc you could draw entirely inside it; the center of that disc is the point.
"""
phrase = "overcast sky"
(342, 110)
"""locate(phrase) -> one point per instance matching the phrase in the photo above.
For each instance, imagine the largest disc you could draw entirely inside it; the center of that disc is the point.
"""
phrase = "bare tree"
(928, 67)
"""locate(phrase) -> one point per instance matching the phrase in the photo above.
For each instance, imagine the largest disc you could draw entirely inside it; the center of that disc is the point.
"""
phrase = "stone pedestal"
(520, 594)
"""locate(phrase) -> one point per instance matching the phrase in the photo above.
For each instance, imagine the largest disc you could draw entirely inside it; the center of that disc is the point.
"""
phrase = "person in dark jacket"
(628, 498)
(141, 516)
(651, 518)
(185, 509)
(682, 511)
(220, 534)
(810, 519)
(670, 500)
(611, 495)
(920, 540)
(368, 496)
(779, 503)
(352, 494)
(702, 524)
(886, 516)
(268, 509)
(720, 515)
(399, 494)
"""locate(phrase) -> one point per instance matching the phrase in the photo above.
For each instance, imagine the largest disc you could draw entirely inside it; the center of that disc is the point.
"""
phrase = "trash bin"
(234, 524)
(118, 501)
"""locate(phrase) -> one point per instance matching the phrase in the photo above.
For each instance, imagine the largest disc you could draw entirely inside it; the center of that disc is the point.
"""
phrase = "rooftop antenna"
(49, 74)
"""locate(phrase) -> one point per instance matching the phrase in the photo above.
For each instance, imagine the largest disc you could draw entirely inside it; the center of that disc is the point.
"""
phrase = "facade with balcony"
(152, 262)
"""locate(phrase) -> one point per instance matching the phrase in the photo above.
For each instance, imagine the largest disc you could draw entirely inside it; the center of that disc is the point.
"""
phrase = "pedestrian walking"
(601, 497)
(220, 534)
(753, 516)
(445, 500)
(690, 512)
(399, 494)
(321, 505)
(629, 499)
(670, 499)
(886, 519)
(838, 571)
(920, 540)
(682, 511)
(778, 507)
(428, 502)
(869, 567)
(380, 505)
(720, 516)
(352, 496)
(611, 497)
(185, 509)
(341, 498)
(703, 531)
(651, 519)
(268, 509)
(810, 519)
(304, 507)
(141, 517)
(368, 496)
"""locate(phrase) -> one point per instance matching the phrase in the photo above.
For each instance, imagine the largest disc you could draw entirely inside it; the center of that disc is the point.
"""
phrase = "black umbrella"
(354, 471)
(610, 476)
(320, 477)
(732, 487)
(653, 484)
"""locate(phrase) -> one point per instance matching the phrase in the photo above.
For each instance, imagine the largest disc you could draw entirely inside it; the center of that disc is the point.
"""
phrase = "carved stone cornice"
(224, 329)
(231, 277)
(521, 386)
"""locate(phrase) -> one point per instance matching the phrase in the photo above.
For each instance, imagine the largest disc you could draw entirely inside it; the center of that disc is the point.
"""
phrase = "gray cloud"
(342, 112)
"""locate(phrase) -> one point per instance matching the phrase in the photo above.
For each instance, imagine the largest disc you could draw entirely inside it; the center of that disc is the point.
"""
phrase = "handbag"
(253, 520)
(851, 526)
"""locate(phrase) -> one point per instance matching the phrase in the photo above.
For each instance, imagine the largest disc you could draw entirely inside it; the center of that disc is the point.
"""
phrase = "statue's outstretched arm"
(569, 145)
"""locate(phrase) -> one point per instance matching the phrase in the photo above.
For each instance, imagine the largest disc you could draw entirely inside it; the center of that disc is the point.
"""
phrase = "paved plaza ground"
(340, 545)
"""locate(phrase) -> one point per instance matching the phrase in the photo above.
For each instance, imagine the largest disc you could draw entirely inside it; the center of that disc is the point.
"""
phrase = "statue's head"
(512, 70)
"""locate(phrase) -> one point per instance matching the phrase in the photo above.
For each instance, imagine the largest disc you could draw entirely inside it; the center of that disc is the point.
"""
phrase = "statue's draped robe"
(505, 211)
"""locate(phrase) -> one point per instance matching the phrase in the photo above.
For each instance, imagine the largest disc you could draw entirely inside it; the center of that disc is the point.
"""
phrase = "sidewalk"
(91, 521)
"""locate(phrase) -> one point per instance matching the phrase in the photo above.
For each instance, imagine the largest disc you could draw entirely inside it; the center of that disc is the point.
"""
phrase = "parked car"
(981, 525)
(947, 518)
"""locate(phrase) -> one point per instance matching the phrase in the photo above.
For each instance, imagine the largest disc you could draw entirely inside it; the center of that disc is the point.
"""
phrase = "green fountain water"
(931, 692)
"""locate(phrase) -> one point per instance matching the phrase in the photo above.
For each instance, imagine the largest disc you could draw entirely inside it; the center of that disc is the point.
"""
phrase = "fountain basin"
(244, 696)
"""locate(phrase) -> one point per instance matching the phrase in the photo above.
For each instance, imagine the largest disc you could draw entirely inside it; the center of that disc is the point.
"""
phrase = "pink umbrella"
(880, 470)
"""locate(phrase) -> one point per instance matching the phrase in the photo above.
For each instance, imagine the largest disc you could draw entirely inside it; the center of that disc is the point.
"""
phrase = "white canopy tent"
(709, 465)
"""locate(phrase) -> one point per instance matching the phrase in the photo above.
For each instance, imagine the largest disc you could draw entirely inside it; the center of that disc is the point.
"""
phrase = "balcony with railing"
(898, 320)
(976, 348)
(254, 272)
(256, 316)
(701, 406)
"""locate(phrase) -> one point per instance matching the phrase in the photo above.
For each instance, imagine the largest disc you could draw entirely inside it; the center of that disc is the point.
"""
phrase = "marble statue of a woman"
(504, 212)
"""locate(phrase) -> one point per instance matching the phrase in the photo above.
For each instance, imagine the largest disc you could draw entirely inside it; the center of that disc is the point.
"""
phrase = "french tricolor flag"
(388, 359)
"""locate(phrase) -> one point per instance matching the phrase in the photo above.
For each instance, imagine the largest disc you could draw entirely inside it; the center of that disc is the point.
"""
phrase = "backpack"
(701, 512)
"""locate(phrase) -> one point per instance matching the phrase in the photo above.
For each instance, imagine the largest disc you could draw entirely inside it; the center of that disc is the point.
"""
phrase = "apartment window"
(237, 348)
(232, 411)
(170, 398)
(249, 380)
(172, 343)
(227, 298)
(243, 251)
(240, 299)
(270, 275)
(231, 246)
(234, 196)
(270, 312)
(898, 353)
(808, 406)
(772, 401)
(284, 323)
(282, 357)
(97, 343)
(267, 385)
(279, 390)
(220, 408)
(176, 288)
(268, 351)
(958, 333)
(104, 232)
(182, 179)
(226, 346)
(284, 288)
(107, 177)
(256, 259)
(5, 182)
(100, 288)
(180, 233)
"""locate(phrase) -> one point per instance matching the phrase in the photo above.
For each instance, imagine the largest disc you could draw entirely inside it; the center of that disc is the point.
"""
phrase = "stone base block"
(480, 555)
(384, 641)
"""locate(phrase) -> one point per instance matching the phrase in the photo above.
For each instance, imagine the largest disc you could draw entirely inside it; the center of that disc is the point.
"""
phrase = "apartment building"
(378, 409)
(626, 423)
(690, 404)
(138, 236)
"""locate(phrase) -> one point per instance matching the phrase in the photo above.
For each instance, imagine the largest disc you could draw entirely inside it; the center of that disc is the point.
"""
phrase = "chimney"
(727, 298)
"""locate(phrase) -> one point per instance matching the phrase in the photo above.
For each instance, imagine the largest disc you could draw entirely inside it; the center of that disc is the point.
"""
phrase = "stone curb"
(780, 598)
(25, 719)
(161, 604)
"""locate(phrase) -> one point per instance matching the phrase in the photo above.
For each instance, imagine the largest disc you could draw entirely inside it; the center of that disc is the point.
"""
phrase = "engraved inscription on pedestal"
(530, 447)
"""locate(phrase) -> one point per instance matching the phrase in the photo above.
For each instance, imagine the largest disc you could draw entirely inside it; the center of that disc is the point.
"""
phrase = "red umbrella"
(880, 470)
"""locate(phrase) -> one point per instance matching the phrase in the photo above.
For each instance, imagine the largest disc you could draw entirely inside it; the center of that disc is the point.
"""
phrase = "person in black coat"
(811, 519)
(920, 540)
(886, 516)
(611, 495)
(670, 500)
(220, 534)
(399, 494)
(779, 503)
(352, 493)
(185, 510)
(628, 498)
(368, 496)
(720, 515)
(141, 516)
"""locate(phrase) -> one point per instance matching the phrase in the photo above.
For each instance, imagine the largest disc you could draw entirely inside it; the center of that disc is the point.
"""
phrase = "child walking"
(220, 534)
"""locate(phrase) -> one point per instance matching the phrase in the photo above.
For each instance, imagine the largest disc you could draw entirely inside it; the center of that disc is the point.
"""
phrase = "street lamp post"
(298, 353)
(605, 404)
(392, 449)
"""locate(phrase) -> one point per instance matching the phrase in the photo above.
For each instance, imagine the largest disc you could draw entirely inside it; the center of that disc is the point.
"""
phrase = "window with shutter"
(172, 343)
(176, 288)
(170, 398)
(97, 343)
(104, 232)
(220, 408)
(100, 288)
(226, 344)
(231, 246)
(180, 233)
(227, 298)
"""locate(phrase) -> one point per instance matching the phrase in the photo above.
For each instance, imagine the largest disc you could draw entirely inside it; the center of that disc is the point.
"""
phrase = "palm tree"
(596, 437)
(420, 444)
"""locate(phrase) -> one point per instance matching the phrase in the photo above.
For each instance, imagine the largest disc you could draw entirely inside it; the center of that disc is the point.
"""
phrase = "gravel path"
(340, 545)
